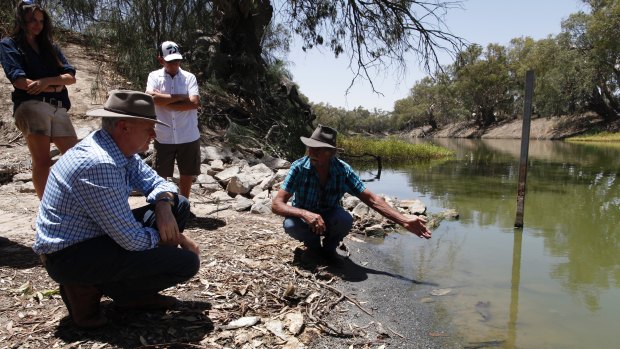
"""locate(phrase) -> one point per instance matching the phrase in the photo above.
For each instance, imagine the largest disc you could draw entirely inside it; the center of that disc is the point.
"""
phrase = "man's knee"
(341, 220)
(293, 224)
(193, 264)
(189, 264)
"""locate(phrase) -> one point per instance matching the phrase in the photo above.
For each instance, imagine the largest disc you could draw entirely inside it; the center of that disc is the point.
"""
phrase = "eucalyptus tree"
(484, 83)
(596, 36)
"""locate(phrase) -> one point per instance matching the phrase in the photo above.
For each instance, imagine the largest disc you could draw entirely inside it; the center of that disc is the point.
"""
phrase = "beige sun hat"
(128, 104)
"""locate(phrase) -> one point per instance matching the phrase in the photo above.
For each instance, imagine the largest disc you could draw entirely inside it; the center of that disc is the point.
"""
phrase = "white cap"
(170, 51)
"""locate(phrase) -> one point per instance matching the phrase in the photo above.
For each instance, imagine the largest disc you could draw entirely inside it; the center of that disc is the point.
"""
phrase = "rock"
(275, 327)
(205, 169)
(257, 191)
(206, 179)
(376, 230)
(227, 174)
(450, 214)
(209, 153)
(261, 169)
(27, 187)
(22, 177)
(239, 184)
(242, 203)
(219, 196)
(361, 210)
(275, 163)
(82, 132)
(413, 206)
(263, 206)
(217, 165)
(208, 188)
(242, 164)
(262, 195)
(281, 175)
(349, 202)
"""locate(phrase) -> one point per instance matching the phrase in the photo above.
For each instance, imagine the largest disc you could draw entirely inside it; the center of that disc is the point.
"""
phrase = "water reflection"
(570, 263)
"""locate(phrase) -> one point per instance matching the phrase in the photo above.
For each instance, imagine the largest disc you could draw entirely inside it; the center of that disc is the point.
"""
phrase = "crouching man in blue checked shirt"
(89, 239)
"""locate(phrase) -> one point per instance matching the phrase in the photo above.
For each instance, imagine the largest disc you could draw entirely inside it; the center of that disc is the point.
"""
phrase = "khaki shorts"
(187, 156)
(41, 118)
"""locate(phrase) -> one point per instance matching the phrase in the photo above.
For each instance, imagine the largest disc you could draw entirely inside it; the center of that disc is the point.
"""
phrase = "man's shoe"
(332, 258)
(83, 301)
(151, 302)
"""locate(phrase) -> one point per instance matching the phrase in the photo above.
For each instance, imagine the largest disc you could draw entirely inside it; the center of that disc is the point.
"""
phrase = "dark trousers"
(338, 224)
(121, 274)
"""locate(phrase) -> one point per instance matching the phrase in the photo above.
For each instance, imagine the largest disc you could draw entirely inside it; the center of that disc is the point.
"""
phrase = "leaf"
(23, 289)
(49, 293)
(9, 328)
(143, 341)
(242, 322)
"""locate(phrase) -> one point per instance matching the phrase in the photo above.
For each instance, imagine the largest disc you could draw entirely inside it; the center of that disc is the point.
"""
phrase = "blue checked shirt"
(86, 197)
(302, 182)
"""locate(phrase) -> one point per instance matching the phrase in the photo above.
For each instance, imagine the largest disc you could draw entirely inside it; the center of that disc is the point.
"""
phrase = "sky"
(322, 78)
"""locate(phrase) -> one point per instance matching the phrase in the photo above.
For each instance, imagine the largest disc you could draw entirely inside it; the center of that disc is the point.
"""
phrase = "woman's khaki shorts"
(41, 118)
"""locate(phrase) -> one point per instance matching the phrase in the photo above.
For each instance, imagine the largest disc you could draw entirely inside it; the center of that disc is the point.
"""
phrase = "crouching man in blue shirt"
(90, 240)
(317, 183)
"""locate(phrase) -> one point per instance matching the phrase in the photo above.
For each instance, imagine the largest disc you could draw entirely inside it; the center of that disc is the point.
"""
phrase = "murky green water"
(554, 284)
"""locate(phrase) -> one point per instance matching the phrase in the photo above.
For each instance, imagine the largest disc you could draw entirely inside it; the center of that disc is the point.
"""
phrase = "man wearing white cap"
(87, 236)
(176, 96)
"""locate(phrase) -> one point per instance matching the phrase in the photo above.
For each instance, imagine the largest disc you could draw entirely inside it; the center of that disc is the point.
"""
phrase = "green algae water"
(553, 284)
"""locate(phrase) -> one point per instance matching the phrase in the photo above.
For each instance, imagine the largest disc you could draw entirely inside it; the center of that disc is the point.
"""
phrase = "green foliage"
(392, 149)
(357, 120)
(597, 137)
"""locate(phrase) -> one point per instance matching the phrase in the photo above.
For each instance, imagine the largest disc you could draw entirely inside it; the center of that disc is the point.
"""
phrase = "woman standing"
(39, 72)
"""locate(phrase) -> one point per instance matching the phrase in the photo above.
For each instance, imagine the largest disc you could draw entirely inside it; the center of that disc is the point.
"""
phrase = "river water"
(553, 284)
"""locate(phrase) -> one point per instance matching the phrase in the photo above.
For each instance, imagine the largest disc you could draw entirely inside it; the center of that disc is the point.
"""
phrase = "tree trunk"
(237, 60)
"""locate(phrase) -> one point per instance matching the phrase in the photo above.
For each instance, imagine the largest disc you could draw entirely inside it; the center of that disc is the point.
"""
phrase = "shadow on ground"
(347, 269)
(186, 323)
(207, 223)
(16, 255)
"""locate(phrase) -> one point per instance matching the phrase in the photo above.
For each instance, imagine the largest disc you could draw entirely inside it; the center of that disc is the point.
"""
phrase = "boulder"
(242, 203)
(227, 174)
(263, 206)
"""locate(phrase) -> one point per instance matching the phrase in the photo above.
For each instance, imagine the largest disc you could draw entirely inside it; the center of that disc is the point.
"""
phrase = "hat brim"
(173, 57)
(100, 112)
(309, 142)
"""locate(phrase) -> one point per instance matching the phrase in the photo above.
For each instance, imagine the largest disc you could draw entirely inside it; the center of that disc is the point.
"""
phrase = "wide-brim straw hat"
(128, 105)
(322, 137)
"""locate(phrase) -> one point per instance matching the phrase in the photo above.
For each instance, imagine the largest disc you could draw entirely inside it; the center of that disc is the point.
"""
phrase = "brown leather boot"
(82, 301)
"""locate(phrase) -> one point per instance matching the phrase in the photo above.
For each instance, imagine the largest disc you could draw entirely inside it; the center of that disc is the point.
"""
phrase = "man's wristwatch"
(166, 199)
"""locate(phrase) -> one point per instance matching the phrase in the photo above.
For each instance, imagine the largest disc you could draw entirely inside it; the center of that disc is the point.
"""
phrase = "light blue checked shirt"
(302, 182)
(86, 197)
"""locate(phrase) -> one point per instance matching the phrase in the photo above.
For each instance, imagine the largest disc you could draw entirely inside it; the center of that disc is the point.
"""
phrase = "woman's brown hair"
(44, 39)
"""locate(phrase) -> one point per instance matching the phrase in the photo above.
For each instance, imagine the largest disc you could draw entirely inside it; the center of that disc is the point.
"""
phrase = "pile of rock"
(241, 181)
(234, 180)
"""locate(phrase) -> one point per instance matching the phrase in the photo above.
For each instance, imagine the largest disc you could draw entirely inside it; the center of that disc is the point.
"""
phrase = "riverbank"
(552, 128)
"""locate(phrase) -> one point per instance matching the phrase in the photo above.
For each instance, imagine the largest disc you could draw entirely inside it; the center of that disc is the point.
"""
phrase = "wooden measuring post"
(525, 144)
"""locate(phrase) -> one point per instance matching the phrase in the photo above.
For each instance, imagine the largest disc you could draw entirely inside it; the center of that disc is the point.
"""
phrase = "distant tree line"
(576, 71)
